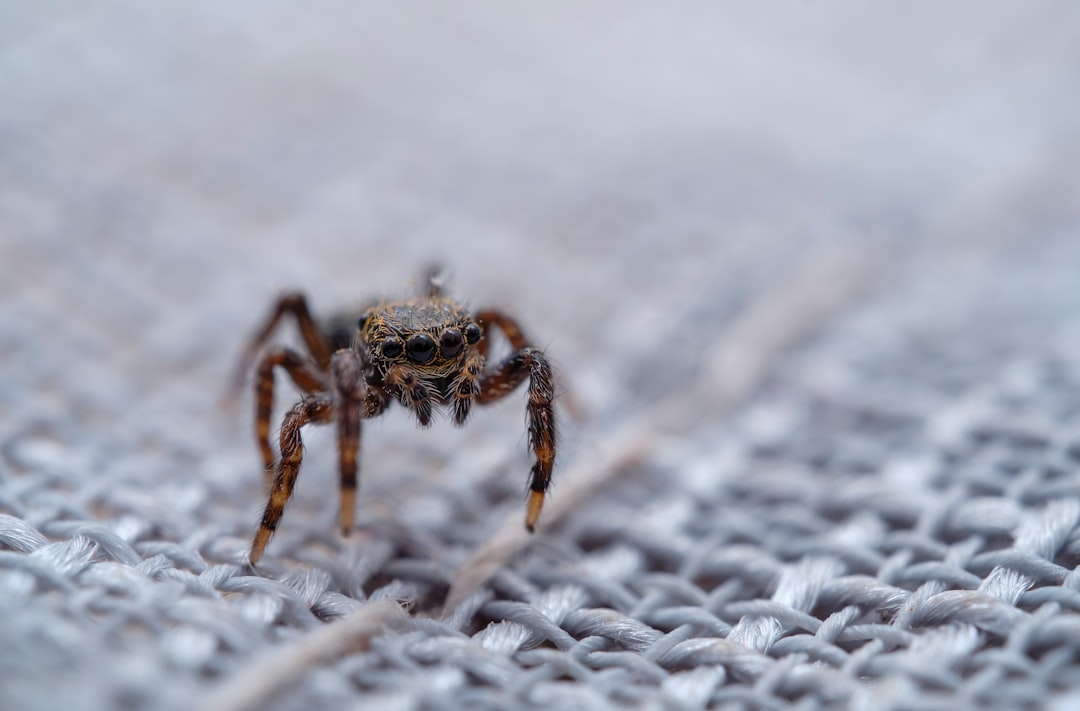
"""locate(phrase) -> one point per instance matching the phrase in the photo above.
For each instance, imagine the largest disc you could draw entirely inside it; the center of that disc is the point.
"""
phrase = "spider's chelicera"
(424, 353)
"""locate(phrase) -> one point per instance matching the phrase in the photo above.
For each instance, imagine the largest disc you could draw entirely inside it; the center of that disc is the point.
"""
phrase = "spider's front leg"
(352, 400)
(312, 409)
(525, 362)
(356, 401)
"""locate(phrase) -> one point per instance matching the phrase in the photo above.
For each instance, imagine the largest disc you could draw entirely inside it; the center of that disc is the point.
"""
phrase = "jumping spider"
(423, 352)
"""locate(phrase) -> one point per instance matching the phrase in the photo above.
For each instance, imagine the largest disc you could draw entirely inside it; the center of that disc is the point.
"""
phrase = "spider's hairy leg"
(490, 318)
(529, 363)
(355, 400)
(413, 392)
(289, 303)
(303, 372)
(312, 409)
(510, 328)
(467, 386)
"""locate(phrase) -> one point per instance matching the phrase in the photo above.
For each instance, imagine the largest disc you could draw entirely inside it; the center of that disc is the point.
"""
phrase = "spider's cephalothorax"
(424, 353)
(429, 337)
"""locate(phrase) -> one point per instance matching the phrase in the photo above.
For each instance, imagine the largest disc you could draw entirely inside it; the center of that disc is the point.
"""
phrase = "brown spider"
(422, 352)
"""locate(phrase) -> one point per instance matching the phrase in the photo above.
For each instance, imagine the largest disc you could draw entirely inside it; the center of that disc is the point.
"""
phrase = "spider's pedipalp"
(414, 392)
(467, 387)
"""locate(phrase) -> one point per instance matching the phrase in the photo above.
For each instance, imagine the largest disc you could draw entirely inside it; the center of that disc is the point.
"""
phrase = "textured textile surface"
(808, 274)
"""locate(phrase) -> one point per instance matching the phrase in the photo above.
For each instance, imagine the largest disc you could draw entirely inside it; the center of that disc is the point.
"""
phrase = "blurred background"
(599, 169)
(622, 177)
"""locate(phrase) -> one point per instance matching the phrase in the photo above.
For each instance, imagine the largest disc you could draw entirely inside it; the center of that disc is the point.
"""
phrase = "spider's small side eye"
(420, 348)
(472, 334)
(390, 348)
(363, 320)
(450, 343)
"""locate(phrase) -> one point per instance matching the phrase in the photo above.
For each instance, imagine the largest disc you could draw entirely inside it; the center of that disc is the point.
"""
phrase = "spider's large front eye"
(472, 334)
(420, 348)
(450, 343)
(390, 348)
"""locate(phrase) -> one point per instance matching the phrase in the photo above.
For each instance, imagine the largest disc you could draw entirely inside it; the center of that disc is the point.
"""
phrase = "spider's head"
(430, 336)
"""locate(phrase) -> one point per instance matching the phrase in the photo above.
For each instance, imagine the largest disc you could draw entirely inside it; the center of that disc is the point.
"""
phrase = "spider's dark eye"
(420, 348)
(390, 348)
(450, 343)
(363, 320)
(472, 334)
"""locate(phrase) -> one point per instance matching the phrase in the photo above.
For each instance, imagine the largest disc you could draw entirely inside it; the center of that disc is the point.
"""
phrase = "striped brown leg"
(303, 372)
(510, 328)
(488, 318)
(356, 400)
(290, 303)
(313, 409)
(532, 364)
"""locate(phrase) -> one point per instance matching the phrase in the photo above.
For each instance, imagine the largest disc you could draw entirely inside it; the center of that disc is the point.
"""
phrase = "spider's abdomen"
(340, 330)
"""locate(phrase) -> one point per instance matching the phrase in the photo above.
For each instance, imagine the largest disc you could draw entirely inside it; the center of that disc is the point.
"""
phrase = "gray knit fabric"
(808, 274)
